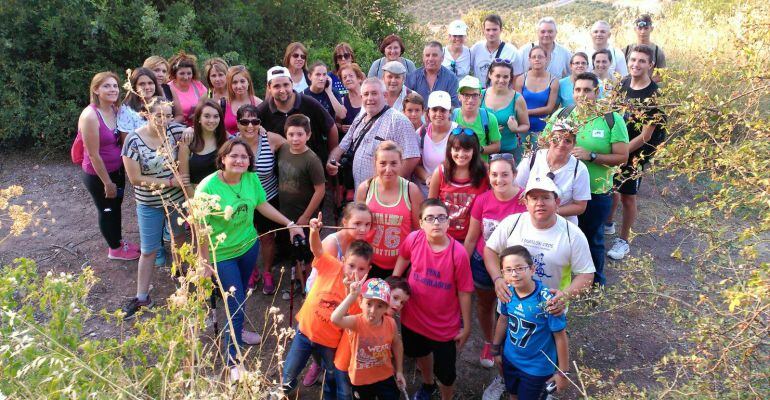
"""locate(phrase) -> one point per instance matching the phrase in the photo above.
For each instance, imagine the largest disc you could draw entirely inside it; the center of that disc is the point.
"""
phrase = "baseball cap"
(277, 72)
(394, 67)
(376, 288)
(457, 28)
(469, 82)
(541, 183)
(441, 99)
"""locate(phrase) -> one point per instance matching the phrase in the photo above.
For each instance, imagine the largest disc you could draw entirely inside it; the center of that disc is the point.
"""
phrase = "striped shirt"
(264, 162)
(154, 164)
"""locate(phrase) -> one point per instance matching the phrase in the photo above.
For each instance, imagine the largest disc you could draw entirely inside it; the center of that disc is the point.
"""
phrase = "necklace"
(240, 184)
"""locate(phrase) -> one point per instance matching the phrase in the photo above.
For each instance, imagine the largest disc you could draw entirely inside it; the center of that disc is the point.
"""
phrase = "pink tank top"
(109, 147)
(189, 99)
(391, 224)
(458, 197)
(231, 123)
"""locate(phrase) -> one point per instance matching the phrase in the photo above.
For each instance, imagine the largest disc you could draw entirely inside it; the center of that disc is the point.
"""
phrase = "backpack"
(532, 163)
(77, 151)
(609, 118)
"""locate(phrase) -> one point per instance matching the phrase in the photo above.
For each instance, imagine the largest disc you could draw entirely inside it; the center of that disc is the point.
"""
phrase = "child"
(374, 341)
(315, 331)
(299, 169)
(460, 179)
(441, 285)
(399, 295)
(414, 108)
(529, 332)
(488, 210)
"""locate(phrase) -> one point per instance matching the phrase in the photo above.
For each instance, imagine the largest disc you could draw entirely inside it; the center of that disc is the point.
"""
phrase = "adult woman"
(197, 159)
(185, 86)
(433, 137)
(394, 203)
(457, 56)
(602, 61)
(263, 145)
(148, 156)
(392, 49)
(343, 56)
(103, 174)
(321, 89)
(507, 105)
(160, 67)
(240, 91)
(144, 86)
(578, 64)
(351, 76)
(540, 89)
(215, 75)
(239, 190)
(558, 163)
(295, 59)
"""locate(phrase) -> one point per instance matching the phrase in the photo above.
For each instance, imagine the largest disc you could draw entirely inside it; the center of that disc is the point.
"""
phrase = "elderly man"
(558, 55)
(492, 47)
(393, 76)
(376, 122)
(432, 76)
(600, 36)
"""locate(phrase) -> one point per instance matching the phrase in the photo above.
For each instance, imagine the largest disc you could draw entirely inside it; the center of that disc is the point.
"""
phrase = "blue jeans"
(335, 381)
(235, 272)
(591, 222)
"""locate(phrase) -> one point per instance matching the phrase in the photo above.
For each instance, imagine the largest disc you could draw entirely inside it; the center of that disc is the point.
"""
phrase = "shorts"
(444, 354)
(629, 178)
(151, 221)
(521, 384)
(264, 224)
(383, 390)
(481, 278)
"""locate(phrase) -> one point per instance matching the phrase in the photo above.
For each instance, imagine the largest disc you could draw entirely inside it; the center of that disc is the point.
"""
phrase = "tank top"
(391, 224)
(231, 122)
(536, 100)
(264, 162)
(202, 165)
(509, 140)
(351, 112)
(109, 146)
(314, 272)
(459, 197)
(189, 99)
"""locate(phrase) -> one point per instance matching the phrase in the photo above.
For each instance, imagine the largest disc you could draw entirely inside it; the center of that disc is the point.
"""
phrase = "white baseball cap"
(542, 183)
(457, 28)
(441, 99)
(469, 81)
(277, 72)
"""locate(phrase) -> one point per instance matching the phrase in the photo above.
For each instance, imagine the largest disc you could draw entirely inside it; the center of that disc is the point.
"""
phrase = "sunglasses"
(247, 122)
(502, 61)
(344, 56)
(501, 156)
(460, 130)
(550, 175)
(642, 24)
(297, 55)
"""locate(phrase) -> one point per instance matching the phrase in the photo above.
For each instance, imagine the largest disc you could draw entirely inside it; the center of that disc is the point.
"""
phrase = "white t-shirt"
(462, 65)
(559, 64)
(555, 251)
(482, 58)
(573, 185)
(618, 61)
(300, 86)
(433, 154)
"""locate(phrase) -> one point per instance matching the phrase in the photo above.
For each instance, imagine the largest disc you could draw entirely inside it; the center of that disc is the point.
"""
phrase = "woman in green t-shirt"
(233, 236)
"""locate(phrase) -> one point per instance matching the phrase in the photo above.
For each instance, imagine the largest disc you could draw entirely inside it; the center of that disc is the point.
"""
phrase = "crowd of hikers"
(492, 170)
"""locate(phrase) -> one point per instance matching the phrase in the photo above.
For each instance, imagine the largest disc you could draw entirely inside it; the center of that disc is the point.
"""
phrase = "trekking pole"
(291, 295)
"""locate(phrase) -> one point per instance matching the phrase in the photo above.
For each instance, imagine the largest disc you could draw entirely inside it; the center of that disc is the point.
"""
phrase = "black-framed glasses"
(501, 156)
(248, 121)
(502, 61)
(461, 129)
(432, 219)
(471, 95)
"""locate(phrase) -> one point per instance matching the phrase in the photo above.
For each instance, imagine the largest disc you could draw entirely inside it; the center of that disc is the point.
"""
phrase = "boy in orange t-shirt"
(315, 332)
(374, 342)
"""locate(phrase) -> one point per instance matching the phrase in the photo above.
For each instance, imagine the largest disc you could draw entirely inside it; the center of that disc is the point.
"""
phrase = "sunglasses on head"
(502, 61)
(460, 130)
(344, 56)
(642, 24)
(500, 156)
(247, 121)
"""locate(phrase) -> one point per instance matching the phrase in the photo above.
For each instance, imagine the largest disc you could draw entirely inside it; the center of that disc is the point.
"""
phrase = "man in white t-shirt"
(558, 247)
(486, 51)
(600, 36)
(558, 55)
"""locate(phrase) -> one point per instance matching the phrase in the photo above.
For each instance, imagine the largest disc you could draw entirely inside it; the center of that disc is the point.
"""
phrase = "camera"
(346, 160)
(298, 241)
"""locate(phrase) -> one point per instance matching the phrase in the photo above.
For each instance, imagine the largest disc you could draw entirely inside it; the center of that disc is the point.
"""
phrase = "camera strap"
(368, 126)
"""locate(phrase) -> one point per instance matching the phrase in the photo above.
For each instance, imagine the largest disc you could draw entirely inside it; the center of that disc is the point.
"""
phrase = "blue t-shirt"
(566, 87)
(530, 332)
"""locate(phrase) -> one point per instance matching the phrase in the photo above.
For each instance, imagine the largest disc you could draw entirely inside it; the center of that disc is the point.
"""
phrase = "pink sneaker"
(250, 338)
(123, 253)
(255, 277)
(312, 374)
(131, 246)
(269, 287)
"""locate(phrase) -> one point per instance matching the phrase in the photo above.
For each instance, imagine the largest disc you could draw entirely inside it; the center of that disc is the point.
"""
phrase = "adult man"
(284, 101)
(393, 74)
(645, 125)
(483, 123)
(486, 51)
(558, 55)
(643, 28)
(602, 144)
(600, 36)
(432, 76)
(375, 123)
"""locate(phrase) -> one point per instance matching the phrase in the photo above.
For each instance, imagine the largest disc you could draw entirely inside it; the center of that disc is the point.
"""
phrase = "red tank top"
(391, 224)
(458, 197)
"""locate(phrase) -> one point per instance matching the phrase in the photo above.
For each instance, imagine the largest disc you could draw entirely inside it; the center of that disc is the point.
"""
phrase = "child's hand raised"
(353, 285)
(316, 223)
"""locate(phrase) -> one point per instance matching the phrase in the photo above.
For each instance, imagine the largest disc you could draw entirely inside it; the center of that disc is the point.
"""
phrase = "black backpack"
(609, 118)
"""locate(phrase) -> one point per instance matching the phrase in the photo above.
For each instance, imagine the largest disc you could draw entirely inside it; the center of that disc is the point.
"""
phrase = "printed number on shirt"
(514, 324)
(390, 235)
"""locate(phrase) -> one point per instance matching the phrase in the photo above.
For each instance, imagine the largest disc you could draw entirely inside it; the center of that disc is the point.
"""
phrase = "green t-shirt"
(593, 136)
(478, 127)
(239, 228)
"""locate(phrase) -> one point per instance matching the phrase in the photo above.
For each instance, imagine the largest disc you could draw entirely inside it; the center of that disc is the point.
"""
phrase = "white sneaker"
(495, 389)
(619, 249)
(609, 229)
(250, 338)
(235, 375)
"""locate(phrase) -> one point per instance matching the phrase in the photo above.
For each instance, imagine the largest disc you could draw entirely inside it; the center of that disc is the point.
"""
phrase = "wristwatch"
(481, 149)
(593, 156)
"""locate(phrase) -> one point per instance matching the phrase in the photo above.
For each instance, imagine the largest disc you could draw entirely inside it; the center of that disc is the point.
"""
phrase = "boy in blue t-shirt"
(530, 333)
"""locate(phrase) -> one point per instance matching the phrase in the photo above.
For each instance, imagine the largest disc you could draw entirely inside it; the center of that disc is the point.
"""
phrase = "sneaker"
(160, 257)
(425, 392)
(269, 286)
(250, 338)
(124, 252)
(131, 246)
(235, 375)
(255, 277)
(312, 374)
(609, 229)
(495, 389)
(486, 359)
(285, 294)
(619, 249)
(134, 305)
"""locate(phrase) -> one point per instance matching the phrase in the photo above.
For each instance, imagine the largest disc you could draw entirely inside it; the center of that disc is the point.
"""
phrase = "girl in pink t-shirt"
(185, 86)
(441, 284)
(488, 210)
(460, 179)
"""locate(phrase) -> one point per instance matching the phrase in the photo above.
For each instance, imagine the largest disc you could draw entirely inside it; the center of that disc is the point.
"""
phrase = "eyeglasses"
(579, 63)
(440, 219)
(453, 65)
(470, 96)
(298, 55)
(500, 156)
(502, 61)
(344, 56)
(247, 122)
(460, 130)
(517, 270)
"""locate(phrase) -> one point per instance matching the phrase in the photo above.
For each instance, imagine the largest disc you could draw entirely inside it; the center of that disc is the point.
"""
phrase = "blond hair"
(388, 145)
(97, 81)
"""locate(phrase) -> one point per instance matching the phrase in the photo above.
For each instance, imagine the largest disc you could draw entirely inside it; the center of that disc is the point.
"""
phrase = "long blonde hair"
(97, 81)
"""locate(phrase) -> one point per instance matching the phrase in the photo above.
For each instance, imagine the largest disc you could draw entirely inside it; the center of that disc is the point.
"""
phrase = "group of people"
(487, 170)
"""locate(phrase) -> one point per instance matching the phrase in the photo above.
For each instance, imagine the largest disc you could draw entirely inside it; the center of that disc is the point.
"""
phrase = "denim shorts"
(151, 221)
(481, 278)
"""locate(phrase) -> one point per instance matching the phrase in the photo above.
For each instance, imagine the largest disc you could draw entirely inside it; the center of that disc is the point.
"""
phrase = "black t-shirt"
(322, 98)
(640, 110)
(320, 121)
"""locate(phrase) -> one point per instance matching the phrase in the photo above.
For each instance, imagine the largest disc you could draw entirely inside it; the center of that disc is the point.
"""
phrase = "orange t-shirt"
(328, 291)
(372, 358)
